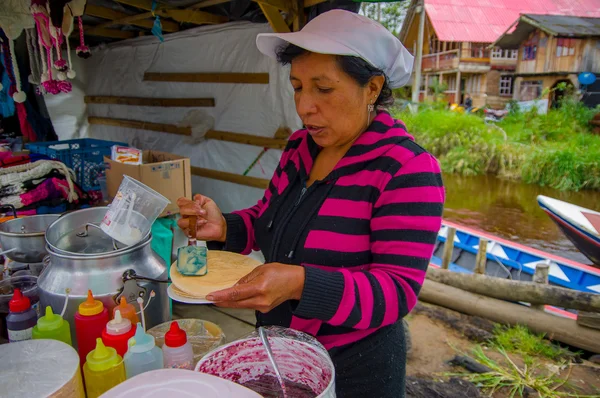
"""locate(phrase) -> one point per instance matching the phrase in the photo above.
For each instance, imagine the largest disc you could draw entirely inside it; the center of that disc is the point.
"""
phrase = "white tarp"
(256, 109)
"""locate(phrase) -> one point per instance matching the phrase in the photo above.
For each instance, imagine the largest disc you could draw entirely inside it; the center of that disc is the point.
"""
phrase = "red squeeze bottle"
(117, 333)
(90, 320)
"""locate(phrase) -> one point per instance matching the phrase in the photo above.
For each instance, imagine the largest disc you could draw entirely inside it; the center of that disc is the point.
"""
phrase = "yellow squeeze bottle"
(103, 370)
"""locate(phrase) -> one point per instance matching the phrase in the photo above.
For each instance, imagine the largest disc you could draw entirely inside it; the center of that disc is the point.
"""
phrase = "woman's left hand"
(263, 289)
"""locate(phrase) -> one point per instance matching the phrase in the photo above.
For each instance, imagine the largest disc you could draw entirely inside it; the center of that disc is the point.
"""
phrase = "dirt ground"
(436, 341)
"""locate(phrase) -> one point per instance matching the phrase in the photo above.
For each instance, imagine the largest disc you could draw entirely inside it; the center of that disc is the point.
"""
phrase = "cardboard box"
(168, 174)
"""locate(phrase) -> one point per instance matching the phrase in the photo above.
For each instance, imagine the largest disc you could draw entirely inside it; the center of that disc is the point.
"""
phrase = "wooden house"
(457, 45)
(551, 49)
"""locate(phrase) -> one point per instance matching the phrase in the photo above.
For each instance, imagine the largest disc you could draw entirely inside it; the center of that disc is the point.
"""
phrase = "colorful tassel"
(82, 50)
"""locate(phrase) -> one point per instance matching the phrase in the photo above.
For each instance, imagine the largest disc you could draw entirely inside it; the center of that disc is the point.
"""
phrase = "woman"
(348, 223)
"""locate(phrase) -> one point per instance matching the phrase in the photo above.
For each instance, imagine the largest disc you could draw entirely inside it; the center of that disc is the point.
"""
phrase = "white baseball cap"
(341, 32)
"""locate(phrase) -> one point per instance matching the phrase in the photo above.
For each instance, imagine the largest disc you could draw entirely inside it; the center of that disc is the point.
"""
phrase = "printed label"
(19, 335)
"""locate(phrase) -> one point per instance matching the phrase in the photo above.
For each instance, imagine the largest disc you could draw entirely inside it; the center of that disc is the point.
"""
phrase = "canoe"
(580, 225)
(511, 260)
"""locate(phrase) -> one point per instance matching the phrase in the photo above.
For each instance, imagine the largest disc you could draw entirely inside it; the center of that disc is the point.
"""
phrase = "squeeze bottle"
(142, 355)
(177, 351)
(103, 370)
(117, 333)
(21, 318)
(90, 320)
(52, 326)
(127, 311)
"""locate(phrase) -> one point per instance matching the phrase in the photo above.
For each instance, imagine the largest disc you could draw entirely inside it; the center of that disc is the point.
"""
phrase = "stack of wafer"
(224, 270)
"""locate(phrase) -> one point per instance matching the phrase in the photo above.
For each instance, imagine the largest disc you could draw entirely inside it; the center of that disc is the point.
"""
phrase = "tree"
(390, 15)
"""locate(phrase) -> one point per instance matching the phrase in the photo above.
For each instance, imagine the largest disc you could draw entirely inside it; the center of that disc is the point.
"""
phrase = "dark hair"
(358, 69)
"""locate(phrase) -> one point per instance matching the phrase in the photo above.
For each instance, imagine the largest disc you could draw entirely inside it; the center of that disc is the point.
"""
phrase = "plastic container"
(26, 283)
(103, 370)
(117, 333)
(178, 383)
(127, 310)
(84, 156)
(303, 362)
(204, 336)
(101, 180)
(177, 350)
(52, 326)
(21, 319)
(143, 355)
(132, 212)
(90, 321)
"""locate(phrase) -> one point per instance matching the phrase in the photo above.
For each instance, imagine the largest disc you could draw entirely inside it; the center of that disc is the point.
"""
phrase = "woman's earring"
(370, 108)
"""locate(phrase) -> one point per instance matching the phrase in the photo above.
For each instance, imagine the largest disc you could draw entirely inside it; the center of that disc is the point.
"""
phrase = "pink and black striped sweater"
(365, 234)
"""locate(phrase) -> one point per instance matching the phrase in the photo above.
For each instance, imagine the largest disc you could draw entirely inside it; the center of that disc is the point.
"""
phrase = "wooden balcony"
(445, 60)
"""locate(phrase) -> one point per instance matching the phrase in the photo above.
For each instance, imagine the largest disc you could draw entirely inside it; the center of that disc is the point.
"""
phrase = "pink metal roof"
(484, 21)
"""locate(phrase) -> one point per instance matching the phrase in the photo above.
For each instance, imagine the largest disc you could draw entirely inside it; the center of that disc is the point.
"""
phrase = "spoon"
(265, 341)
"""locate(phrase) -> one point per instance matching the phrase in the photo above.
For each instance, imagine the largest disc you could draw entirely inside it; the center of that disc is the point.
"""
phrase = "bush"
(556, 149)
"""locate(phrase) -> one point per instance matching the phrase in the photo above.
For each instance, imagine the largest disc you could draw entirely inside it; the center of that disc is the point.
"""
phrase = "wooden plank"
(275, 19)
(310, 3)
(143, 4)
(448, 248)
(230, 177)
(207, 3)
(247, 139)
(112, 33)
(121, 18)
(193, 16)
(555, 327)
(512, 290)
(136, 124)
(283, 5)
(481, 259)
(248, 78)
(163, 102)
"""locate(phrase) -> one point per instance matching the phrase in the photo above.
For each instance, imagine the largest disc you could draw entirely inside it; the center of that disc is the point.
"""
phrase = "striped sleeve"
(240, 224)
(404, 225)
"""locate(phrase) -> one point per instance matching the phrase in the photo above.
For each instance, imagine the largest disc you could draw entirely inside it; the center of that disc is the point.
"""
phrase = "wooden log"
(136, 124)
(121, 18)
(231, 177)
(274, 17)
(235, 78)
(163, 102)
(448, 248)
(556, 328)
(505, 289)
(588, 319)
(481, 259)
(540, 276)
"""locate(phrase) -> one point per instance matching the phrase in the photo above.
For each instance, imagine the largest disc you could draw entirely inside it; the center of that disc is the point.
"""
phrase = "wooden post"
(419, 58)
(481, 259)
(458, 87)
(540, 276)
(448, 248)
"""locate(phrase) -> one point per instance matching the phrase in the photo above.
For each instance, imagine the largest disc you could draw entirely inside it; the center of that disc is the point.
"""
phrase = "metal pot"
(131, 272)
(22, 239)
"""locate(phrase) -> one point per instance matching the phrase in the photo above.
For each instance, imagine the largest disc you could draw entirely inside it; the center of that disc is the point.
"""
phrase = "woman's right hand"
(211, 225)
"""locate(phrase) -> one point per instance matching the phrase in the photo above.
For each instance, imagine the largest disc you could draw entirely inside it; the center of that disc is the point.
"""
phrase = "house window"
(530, 90)
(498, 53)
(506, 85)
(565, 47)
(529, 52)
(473, 84)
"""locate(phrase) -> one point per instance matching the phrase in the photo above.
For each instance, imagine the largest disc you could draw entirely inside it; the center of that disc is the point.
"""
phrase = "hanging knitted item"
(157, 26)
(35, 62)
(14, 17)
(82, 50)
(67, 29)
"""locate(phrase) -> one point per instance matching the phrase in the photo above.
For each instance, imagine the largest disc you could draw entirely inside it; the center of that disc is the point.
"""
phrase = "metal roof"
(484, 21)
(555, 25)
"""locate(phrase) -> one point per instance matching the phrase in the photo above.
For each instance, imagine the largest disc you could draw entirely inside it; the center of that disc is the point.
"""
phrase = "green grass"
(514, 379)
(556, 150)
(520, 340)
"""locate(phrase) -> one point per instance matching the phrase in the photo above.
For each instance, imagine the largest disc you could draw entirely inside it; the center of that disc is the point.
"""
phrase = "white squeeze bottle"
(177, 351)
(142, 355)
